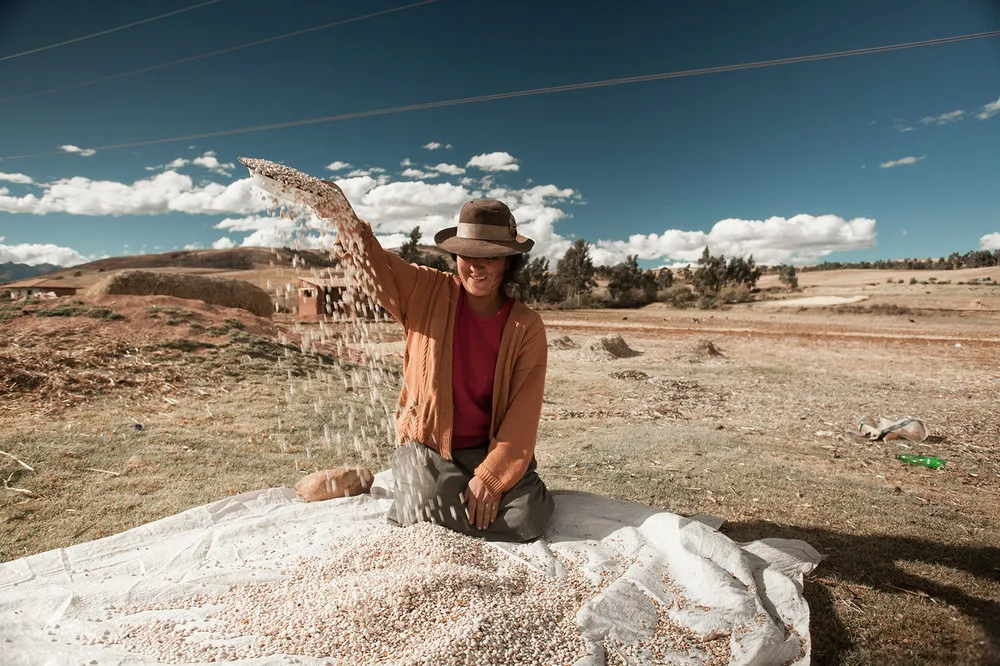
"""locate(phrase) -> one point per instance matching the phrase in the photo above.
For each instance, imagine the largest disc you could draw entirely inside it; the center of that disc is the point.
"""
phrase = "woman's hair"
(512, 283)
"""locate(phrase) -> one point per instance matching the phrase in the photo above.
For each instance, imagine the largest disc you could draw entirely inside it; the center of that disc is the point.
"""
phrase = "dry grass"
(214, 290)
(754, 436)
(912, 568)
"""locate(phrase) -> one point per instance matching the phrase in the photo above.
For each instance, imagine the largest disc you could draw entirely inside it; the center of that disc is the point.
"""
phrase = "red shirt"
(477, 345)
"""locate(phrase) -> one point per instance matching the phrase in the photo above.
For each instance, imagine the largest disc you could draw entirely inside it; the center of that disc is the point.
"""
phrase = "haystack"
(699, 351)
(225, 292)
(564, 342)
(609, 348)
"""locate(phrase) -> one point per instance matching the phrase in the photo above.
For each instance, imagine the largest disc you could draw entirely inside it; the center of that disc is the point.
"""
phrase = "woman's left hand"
(481, 504)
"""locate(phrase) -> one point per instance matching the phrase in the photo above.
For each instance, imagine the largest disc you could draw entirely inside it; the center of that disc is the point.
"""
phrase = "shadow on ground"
(873, 561)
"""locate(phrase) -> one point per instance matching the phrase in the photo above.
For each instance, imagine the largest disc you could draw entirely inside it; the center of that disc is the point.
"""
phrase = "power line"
(108, 31)
(211, 54)
(547, 90)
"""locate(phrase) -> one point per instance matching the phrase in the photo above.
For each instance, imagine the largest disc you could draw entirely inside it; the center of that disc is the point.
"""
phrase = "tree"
(624, 278)
(711, 274)
(576, 270)
(409, 251)
(743, 271)
(536, 278)
(787, 276)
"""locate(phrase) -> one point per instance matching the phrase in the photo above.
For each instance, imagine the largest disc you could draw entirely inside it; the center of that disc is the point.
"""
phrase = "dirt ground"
(740, 413)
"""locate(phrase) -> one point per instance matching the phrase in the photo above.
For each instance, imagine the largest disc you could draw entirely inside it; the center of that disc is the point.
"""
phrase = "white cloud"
(450, 169)
(989, 110)
(357, 173)
(434, 145)
(394, 208)
(406, 162)
(776, 240)
(355, 188)
(338, 166)
(498, 161)
(396, 240)
(224, 243)
(84, 152)
(901, 161)
(417, 173)
(990, 242)
(165, 192)
(944, 118)
(212, 163)
(39, 253)
(905, 128)
(398, 207)
(253, 223)
(179, 163)
(18, 178)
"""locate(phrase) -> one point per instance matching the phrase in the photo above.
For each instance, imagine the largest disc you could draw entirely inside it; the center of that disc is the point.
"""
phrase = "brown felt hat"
(485, 228)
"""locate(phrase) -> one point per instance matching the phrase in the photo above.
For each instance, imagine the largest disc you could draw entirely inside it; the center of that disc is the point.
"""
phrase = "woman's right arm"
(391, 280)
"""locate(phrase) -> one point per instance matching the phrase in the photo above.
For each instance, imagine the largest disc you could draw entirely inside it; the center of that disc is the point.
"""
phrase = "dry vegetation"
(739, 413)
(226, 292)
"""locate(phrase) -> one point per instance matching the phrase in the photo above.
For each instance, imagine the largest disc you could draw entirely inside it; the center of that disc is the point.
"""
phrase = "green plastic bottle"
(926, 461)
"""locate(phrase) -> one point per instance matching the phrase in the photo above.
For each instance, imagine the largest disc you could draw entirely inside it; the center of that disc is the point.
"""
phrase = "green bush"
(679, 296)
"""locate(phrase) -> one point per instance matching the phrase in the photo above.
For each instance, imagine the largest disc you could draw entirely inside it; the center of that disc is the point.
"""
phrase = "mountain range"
(11, 272)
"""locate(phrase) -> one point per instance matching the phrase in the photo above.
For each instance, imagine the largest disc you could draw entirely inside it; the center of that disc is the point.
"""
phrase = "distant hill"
(11, 272)
(257, 264)
(235, 259)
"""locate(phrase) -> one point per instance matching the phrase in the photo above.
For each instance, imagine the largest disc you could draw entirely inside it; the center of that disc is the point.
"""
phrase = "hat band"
(484, 232)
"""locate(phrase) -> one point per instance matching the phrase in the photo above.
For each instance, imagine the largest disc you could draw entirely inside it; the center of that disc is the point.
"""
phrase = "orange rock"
(335, 482)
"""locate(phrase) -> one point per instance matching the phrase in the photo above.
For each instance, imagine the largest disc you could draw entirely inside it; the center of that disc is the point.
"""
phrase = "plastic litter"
(926, 461)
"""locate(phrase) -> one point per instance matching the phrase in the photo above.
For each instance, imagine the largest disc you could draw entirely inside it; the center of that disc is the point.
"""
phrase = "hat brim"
(448, 240)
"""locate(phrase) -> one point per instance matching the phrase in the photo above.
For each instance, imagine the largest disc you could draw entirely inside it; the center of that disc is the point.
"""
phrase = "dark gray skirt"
(429, 488)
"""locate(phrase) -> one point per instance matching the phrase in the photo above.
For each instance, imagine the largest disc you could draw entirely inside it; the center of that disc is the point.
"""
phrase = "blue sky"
(878, 156)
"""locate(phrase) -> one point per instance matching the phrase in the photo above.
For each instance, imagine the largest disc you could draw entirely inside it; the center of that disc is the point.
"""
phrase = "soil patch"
(631, 375)
(811, 301)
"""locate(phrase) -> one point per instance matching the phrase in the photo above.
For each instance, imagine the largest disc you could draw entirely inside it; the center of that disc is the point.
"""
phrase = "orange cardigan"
(425, 300)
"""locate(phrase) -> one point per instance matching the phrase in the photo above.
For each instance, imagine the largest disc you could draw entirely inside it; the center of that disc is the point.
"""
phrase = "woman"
(473, 379)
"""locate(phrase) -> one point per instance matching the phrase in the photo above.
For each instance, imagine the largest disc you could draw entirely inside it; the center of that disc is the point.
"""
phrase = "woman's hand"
(481, 505)
(337, 208)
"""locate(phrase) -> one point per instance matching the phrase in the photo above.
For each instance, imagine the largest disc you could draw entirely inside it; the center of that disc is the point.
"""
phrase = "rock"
(335, 482)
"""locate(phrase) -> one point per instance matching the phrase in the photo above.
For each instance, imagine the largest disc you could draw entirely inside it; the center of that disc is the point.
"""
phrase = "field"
(740, 413)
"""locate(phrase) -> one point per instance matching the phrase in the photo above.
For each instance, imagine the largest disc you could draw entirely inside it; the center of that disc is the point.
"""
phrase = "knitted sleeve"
(396, 281)
(514, 445)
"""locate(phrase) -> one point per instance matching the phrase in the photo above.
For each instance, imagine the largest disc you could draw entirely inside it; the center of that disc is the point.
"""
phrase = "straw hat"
(485, 228)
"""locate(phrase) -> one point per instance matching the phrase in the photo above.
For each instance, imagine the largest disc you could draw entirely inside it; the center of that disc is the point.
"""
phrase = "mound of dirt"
(215, 291)
(56, 354)
(609, 348)
(701, 350)
(632, 375)
(563, 343)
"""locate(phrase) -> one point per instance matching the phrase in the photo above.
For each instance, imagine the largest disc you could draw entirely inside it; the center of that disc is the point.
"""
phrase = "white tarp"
(51, 604)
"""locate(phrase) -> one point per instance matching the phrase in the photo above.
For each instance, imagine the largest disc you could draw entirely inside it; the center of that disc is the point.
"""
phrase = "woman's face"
(481, 276)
